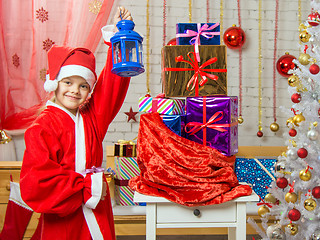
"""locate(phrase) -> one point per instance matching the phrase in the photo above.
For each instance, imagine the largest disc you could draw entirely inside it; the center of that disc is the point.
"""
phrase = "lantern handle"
(120, 13)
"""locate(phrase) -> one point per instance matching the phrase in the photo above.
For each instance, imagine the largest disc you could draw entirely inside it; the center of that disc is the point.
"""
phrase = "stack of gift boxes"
(195, 104)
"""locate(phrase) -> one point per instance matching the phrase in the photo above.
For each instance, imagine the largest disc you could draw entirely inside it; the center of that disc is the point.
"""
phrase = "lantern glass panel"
(131, 52)
(140, 52)
(117, 52)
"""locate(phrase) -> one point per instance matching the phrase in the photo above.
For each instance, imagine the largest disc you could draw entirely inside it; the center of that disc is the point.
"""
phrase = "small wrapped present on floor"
(125, 168)
(166, 106)
(213, 121)
(184, 76)
(258, 173)
(125, 148)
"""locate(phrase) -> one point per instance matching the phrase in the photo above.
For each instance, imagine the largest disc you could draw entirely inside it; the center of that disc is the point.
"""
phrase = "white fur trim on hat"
(50, 85)
(77, 70)
(68, 71)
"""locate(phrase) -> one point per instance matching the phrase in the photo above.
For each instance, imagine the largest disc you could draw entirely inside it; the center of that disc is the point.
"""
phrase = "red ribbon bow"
(291, 187)
(264, 203)
(197, 126)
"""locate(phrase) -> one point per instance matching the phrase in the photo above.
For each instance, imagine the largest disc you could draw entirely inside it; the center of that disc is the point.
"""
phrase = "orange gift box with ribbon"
(184, 76)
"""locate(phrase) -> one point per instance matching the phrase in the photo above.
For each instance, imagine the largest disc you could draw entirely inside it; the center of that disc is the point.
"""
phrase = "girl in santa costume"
(61, 177)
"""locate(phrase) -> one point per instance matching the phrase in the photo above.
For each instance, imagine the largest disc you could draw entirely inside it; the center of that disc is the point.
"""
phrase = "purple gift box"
(213, 121)
(204, 33)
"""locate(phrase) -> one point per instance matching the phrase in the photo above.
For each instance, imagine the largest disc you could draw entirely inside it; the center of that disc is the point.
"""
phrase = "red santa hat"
(66, 62)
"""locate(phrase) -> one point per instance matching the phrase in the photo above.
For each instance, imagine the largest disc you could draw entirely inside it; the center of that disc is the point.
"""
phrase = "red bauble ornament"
(147, 95)
(302, 153)
(294, 215)
(316, 192)
(259, 133)
(172, 42)
(284, 64)
(282, 182)
(296, 98)
(234, 37)
(314, 69)
(314, 19)
(292, 132)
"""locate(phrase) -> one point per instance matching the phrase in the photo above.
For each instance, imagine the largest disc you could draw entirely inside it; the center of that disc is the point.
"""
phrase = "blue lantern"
(127, 50)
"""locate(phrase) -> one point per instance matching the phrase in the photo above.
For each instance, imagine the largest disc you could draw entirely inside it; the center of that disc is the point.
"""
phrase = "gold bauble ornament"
(293, 228)
(290, 121)
(270, 198)
(305, 175)
(302, 27)
(240, 119)
(304, 36)
(293, 81)
(310, 204)
(291, 197)
(293, 142)
(298, 118)
(304, 58)
(274, 127)
(263, 210)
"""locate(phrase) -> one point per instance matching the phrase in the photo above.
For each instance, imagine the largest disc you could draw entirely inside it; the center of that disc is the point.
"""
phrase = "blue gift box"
(175, 123)
(209, 33)
(259, 173)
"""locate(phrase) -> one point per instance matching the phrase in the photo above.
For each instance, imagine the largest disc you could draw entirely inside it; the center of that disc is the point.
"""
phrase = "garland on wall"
(148, 48)
(164, 16)
(190, 11)
(240, 119)
(274, 126)
(259, 133)
(208, 12)
(221, 15)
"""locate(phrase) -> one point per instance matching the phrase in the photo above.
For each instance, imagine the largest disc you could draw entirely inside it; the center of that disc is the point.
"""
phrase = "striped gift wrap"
(126, 168)
(166, 106)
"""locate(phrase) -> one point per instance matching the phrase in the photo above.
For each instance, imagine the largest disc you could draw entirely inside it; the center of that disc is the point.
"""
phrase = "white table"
(162, 213)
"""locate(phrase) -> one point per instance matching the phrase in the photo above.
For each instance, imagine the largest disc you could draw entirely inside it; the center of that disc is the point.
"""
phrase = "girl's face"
(71, 93)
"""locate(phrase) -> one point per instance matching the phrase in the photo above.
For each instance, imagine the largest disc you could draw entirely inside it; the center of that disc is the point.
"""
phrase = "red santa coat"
(59, 147)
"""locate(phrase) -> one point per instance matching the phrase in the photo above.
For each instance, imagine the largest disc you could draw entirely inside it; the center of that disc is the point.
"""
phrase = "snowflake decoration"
(42, 15)
(43, 73)
(47, 44)
(15, 60)
(95, 6)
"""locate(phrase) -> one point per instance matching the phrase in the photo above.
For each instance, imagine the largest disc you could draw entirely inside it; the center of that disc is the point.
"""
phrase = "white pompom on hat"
(66, 62)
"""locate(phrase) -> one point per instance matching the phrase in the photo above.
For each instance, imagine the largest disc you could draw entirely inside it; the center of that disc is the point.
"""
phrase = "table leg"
(241, 221)
(151, 221)
(231, 233)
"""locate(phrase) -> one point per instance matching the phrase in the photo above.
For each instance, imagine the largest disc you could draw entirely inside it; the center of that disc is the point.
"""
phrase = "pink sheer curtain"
(28, 30)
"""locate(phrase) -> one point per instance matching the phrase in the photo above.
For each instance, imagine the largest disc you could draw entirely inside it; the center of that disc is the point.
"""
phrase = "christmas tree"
(294, 198)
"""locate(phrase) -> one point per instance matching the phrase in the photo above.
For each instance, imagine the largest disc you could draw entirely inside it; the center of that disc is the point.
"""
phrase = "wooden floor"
(194, 237)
